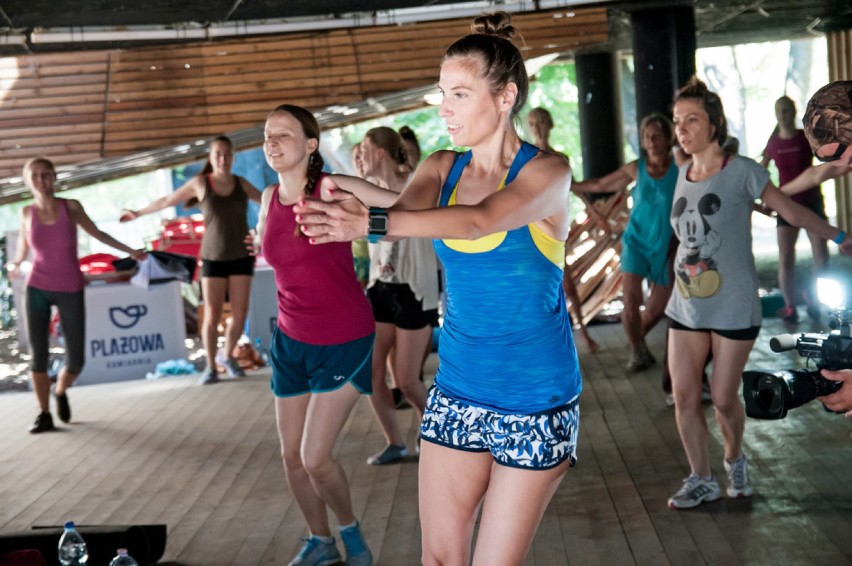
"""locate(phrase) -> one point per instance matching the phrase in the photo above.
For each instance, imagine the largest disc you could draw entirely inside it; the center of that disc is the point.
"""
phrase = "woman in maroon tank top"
(227, 268)
(49, 229)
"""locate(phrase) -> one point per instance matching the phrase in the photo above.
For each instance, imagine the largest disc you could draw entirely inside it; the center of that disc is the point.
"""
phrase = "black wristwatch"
(378, 225)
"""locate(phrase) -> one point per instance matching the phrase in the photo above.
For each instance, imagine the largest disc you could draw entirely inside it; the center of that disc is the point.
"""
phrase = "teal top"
(649, 228)
(506, 342)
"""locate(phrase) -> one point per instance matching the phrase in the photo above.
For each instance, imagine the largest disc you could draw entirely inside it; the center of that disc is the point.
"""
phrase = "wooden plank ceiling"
(81, 106)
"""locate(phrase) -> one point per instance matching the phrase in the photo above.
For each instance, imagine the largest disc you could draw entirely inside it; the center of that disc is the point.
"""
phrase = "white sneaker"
(738, 484)
(695, 491)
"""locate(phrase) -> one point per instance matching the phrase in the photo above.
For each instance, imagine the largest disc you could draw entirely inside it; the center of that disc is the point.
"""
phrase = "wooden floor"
(205, 461)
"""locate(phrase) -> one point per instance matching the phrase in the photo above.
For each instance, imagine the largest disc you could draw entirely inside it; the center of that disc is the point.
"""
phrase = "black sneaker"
(43, 423)
(63, 409)
(399, 400)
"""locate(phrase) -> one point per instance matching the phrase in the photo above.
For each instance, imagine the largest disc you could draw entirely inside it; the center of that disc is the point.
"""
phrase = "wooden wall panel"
(74, 107)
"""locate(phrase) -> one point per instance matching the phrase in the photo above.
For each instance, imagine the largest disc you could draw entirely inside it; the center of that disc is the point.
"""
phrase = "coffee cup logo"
(127, 317)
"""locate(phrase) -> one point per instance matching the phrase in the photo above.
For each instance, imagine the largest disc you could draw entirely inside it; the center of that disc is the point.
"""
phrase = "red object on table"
(181, 236)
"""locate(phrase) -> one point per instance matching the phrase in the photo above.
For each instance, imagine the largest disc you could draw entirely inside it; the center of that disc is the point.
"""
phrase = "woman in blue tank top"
(508, 380)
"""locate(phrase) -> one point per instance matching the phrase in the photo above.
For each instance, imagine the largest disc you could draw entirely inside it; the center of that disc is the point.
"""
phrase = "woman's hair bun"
(498, 23)
(694, 87)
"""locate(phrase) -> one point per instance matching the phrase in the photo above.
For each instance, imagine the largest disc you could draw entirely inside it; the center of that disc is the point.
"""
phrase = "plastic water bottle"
(72, 547)
(123, 559)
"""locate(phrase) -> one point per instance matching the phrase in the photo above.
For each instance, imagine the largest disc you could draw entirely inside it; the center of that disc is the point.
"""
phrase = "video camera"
(770, 394)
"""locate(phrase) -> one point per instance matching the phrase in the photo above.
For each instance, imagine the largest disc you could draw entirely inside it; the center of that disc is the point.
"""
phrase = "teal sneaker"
(317, 553)
(357, 553)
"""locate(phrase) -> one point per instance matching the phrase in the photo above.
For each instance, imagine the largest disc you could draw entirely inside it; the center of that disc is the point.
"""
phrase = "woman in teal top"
(648, 236)
(508, 383)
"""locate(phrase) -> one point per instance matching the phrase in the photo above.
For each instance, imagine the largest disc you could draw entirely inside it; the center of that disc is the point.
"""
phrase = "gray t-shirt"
(715, 278)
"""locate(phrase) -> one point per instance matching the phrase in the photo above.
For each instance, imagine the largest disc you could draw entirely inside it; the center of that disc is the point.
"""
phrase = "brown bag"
(247, 357)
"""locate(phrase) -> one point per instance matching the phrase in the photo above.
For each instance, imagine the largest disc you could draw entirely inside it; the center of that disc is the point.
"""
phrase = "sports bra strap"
(525, 153)
(460, 161)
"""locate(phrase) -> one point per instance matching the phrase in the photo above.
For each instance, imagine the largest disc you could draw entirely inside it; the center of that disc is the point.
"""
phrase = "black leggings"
(72, 315)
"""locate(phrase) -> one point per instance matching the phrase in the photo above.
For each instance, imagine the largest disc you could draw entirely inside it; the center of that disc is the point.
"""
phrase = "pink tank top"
(55, 263)
(319, 299)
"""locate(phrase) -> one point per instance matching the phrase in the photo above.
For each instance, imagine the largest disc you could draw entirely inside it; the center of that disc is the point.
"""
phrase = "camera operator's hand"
(841, 400)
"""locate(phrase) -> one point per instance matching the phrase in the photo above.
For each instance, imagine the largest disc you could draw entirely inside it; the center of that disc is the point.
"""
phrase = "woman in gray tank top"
(227, 266)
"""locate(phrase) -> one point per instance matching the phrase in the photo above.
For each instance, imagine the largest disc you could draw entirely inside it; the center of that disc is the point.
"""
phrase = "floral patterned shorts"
(535, 442)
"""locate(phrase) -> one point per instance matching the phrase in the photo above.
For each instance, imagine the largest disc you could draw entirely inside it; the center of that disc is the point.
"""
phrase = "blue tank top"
(649, 227)
(506, 342)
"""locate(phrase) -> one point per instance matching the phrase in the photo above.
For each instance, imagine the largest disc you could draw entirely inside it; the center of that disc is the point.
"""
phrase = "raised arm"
(616, 181)
(813, 176)
(184, 193)
(78, 214)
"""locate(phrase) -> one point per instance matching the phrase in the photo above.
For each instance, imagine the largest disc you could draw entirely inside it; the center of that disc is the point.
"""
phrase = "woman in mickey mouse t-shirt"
(715, 307)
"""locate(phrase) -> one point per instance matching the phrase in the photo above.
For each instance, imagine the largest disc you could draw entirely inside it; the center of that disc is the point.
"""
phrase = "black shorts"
(395, 303)
(815, 204)
(744, 334)
(242, 266)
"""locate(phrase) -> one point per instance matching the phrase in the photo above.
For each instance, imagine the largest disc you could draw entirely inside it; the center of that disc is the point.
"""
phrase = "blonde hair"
(35, 160)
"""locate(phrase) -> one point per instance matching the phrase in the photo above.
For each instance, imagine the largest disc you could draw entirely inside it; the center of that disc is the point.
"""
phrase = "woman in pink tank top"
(49, 228)
(322, 343)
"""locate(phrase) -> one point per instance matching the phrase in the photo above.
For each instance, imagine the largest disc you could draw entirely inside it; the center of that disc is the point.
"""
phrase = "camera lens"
(767, 393)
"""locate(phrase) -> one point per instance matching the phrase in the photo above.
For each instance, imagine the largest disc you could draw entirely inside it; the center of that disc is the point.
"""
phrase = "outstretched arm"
(539, 194)
(363, 190)
(813, 176)
(180, 196)
(616, 181)
(83, 221)
(802, 217)
(22, 246)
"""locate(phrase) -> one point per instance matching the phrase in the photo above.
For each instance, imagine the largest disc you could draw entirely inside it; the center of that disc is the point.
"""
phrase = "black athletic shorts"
(744, 334)
(242, 266)
(395, 303)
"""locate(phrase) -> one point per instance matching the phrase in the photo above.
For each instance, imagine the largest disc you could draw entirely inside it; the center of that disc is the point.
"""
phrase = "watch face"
(378, 223)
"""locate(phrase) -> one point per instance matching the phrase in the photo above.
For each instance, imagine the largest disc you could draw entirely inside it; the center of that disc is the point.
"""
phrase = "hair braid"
(315, 165)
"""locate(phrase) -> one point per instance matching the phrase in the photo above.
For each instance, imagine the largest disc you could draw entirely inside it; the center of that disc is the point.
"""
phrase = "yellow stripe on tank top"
(551, 248)
(479, 245)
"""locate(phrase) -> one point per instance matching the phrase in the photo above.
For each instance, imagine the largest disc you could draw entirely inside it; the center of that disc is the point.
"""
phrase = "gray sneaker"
(391, 453)
(695, 491)
(208, 377)
(232, 367)
(316, 553)
(738, 484)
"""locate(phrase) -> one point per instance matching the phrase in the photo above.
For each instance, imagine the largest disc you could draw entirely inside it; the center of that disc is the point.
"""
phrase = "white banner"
(263, 308)
(129, 330)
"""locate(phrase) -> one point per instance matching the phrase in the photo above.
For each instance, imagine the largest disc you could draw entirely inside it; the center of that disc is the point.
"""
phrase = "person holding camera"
(715, 306)
(828, 127)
